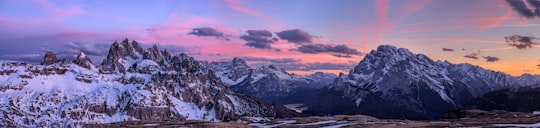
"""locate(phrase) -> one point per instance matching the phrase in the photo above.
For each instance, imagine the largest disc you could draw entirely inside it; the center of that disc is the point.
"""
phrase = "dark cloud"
(295, 36)
(259, 39)
(528, 71)
(535, 4)
(342, 55)
(447, 49)
(263, 33)
(472, 56)
(207, 31)
(521, 42)
(271, 60)
(320, 48)
(521, 7)
(491, 58)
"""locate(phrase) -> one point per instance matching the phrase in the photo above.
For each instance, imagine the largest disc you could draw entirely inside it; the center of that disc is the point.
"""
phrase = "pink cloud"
(60, 12)
(237, 5)
(385, 23)
(489, 16)
(382, 7)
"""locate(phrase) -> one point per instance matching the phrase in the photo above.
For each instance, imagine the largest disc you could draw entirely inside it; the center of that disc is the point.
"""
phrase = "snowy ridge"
(267, 81)
(528, 79)
(131, 84)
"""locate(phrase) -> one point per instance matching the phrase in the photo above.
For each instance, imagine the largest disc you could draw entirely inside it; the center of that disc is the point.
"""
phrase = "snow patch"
(318, 123)
(518, 125)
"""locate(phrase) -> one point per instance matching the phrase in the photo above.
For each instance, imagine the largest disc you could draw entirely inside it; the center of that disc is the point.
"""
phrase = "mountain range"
(389, 82)
(133, 83)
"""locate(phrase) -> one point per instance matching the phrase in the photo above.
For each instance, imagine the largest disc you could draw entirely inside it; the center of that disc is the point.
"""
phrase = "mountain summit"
(393, 82)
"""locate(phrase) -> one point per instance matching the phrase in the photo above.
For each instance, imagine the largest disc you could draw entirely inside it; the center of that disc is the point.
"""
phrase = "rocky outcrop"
(49, 58)
(118, 53)
(83, 61)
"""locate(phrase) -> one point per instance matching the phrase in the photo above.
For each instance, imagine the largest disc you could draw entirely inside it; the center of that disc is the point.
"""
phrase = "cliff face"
(130, 84)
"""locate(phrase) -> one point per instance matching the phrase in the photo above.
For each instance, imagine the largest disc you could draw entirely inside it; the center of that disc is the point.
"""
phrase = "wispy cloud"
(60, 12)
(295, 36)
(238, 6)
(271, 60)
(322, 48)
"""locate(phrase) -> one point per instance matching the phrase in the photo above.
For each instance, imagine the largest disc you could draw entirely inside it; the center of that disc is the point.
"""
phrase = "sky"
(301, 36)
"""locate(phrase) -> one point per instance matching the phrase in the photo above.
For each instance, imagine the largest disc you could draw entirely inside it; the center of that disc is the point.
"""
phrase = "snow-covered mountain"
(131, 84)
(267, 82)
(396, 83)
(528, 79)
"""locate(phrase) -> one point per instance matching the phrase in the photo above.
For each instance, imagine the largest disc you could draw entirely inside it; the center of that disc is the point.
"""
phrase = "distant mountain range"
(133, 83)
(267, 82)
(389, 82)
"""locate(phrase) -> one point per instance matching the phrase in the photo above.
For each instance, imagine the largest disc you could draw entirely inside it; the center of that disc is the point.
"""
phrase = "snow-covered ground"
(518, 125)
(294, 123)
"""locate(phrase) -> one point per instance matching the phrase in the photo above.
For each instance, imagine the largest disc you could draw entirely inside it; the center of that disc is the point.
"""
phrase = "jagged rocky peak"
(153, 53)
(124, 49)
(119, 51)
(83, 61)
(238, 61)
(49, 58)
(231, 72)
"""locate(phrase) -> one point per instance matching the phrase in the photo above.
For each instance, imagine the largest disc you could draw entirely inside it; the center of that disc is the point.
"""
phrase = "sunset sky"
(301, 36)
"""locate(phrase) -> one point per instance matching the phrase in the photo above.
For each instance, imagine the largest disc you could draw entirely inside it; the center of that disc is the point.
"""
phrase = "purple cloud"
(207, 31)
(521, 7)
(259, 39)
(295, 36)
(271, 60)
(321, 48)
